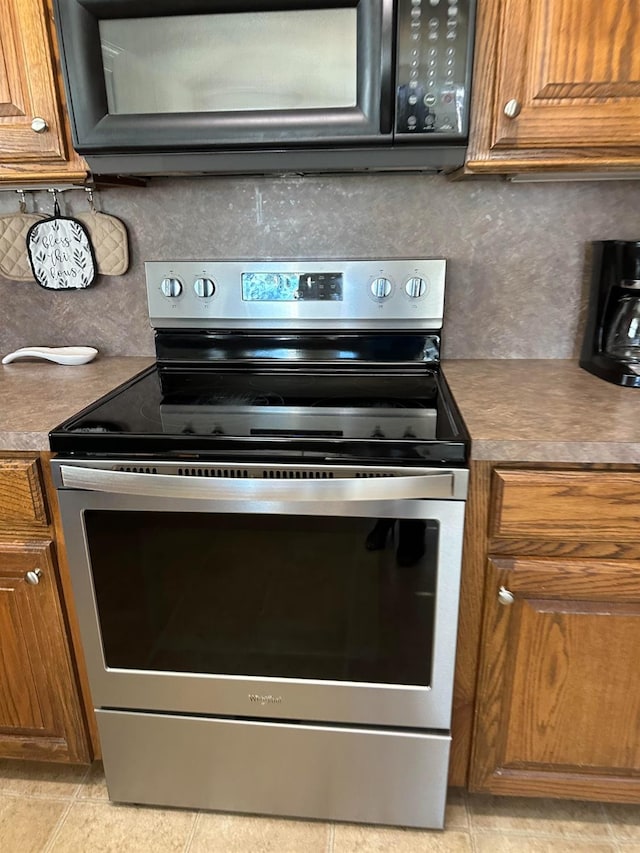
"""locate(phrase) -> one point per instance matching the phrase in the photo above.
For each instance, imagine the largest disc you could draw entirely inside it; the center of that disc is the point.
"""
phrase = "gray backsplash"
(518, 254)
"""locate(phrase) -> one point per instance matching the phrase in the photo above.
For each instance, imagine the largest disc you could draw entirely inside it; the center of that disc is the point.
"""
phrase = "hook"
(56, 206)
(23, 201)
(89, 192)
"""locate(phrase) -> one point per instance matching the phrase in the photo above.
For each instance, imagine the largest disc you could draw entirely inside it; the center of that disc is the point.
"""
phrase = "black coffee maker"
(611, 347)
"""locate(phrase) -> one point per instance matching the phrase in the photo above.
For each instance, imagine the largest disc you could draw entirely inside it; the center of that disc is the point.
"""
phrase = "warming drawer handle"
(436, 485)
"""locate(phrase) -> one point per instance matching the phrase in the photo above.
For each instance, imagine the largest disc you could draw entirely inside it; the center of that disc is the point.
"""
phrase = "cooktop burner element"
(250, 369)
(298, 422)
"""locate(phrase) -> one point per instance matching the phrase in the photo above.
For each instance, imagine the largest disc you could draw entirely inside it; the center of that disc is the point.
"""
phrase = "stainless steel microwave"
(256, 86)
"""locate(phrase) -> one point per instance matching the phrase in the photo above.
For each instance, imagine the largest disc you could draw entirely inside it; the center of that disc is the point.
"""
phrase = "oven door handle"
(423, 484)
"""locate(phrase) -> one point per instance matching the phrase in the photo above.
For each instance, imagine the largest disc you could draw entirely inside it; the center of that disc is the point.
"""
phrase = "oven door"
(201, 75)
(308, 599)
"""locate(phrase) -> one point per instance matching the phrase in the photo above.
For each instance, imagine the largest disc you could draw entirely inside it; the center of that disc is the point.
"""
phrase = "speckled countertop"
(36, 396)
(543, 410)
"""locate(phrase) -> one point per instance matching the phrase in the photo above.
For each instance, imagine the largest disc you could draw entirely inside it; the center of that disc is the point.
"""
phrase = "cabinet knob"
(39, 125)
(33, 577)
(512, 108)
(505, 597)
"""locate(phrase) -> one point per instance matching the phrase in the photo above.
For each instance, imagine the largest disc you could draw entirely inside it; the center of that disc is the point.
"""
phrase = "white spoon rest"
(61, 355)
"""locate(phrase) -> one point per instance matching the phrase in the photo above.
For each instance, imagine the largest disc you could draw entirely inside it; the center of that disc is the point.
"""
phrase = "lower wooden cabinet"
(558, 696)
(41, 709)
(559, 693)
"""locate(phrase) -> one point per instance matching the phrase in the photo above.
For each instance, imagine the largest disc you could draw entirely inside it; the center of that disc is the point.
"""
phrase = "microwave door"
(197, 76)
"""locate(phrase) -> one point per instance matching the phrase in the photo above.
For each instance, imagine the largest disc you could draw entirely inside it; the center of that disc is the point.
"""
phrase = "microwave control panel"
(433, 67)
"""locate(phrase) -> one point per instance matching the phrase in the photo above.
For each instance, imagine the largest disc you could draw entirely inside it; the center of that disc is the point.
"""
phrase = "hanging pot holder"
(14, 262)
(109, 241)
(60, 253)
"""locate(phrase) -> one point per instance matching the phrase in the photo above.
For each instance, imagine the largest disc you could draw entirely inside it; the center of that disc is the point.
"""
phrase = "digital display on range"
(292, 287)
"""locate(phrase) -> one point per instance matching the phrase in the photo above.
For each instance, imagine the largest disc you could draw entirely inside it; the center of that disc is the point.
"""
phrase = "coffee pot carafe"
(623, 337)
(611, 347)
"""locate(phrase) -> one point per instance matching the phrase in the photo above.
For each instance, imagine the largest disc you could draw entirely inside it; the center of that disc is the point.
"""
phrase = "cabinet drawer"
(21, 499)
(582, 505)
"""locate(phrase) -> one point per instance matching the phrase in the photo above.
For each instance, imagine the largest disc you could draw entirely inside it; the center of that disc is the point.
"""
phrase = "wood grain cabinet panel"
(559, 696)
(557, 708)
(583, 505)
(42, 707)
(30, 88)
(21, 499)
(39, 709)
(556, 86)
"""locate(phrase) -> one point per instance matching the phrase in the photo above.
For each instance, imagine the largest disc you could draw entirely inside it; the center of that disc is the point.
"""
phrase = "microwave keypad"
(431, 94)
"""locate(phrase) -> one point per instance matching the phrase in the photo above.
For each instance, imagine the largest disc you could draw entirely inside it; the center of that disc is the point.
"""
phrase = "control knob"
(204, 287)
(416, 287)
(171, 287)
(381, 288)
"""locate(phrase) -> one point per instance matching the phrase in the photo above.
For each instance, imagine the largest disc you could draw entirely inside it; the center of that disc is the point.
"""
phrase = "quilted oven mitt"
(14, 260)
(110, 241)
(60, 253)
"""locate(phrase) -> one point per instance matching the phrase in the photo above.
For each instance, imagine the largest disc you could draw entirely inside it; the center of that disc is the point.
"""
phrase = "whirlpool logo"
(268, 699)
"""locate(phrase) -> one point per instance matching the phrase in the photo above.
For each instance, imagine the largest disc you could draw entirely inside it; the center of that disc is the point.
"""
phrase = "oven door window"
(310, 597)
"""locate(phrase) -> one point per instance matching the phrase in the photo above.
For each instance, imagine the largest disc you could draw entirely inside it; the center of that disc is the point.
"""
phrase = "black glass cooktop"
(213, 411)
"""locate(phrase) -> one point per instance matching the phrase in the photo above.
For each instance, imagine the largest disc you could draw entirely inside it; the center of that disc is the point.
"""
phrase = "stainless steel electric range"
(264, 531)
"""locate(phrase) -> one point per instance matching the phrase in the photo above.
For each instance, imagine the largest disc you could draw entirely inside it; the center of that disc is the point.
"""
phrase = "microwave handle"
(439, 484)
(387, 76)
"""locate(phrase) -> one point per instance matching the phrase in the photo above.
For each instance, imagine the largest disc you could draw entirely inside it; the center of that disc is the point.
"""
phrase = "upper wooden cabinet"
(35, 144)
(556, 87)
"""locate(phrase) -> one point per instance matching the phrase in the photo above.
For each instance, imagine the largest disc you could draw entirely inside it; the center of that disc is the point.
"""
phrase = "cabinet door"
(29, 90)
(568, 74)
(40, 713)
(558, 711)
(22, 503)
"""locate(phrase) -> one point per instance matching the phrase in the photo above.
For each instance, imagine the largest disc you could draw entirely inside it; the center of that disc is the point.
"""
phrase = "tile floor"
(49, 809)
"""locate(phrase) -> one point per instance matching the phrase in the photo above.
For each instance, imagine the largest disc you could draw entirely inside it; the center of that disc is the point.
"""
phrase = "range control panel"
(433, 67)
(391, 293)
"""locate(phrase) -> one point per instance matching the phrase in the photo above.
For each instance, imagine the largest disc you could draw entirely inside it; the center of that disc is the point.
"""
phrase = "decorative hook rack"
(97, 184)
(21, 189)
